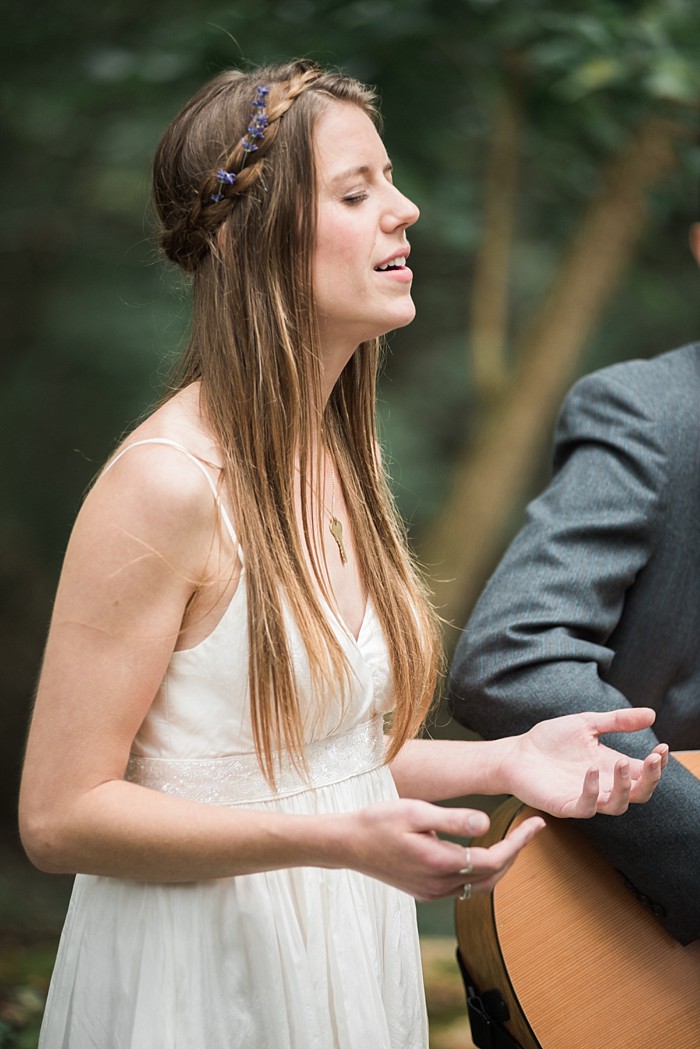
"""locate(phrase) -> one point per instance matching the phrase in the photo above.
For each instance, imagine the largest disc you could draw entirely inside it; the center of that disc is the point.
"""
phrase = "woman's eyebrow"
(361, 169)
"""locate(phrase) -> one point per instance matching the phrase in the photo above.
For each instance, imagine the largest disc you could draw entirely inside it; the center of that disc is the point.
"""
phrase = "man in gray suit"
(596, 604)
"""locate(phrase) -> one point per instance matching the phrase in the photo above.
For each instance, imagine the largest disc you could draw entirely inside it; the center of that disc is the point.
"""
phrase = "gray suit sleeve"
(541, 641)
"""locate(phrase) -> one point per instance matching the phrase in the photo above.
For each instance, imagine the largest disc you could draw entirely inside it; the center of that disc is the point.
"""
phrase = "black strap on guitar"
(487, 1013)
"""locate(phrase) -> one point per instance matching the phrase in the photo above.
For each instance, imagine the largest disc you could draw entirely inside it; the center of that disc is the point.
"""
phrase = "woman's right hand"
(398, 843)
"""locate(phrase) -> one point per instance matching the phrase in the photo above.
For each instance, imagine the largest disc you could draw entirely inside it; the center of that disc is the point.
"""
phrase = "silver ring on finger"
(466, 893)
(467, 868)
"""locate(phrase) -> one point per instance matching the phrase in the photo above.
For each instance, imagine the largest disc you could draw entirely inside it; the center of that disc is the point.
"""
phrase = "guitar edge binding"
(487, 1013)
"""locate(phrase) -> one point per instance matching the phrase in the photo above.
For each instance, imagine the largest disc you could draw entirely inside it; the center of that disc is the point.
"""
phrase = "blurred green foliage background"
(91, 318)
(508, 121)
(530, 133)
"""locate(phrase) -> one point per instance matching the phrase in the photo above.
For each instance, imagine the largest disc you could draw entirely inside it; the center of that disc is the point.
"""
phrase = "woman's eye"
(355, 198)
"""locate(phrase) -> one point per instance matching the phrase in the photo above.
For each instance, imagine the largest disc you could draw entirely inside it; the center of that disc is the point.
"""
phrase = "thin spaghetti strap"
(200, 466)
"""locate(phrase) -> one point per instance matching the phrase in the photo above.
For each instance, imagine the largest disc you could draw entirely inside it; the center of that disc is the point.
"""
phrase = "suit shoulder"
(654, 387)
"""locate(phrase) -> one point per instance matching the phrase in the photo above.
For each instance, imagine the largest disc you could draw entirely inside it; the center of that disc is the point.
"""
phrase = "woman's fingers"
(626, 788)
(618, 798)
(417, 860)
(462, 823)
(586, 804)
(626, 719)
(654, 764)
(634, 787)
(399, 843)
(490, 864)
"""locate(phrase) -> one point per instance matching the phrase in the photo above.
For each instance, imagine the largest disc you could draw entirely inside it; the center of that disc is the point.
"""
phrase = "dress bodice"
(202, 707)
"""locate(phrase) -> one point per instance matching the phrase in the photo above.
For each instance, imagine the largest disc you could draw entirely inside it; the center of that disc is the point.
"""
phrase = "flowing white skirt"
(303, 958)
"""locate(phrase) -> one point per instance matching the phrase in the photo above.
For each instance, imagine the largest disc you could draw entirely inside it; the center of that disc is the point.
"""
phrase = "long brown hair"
(254, 346)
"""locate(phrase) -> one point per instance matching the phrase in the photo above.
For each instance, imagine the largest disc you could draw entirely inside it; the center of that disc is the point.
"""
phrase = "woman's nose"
(402, 211)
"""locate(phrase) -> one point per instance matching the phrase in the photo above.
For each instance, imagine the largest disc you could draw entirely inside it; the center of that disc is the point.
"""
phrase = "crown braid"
(280, 99)
(189, 238)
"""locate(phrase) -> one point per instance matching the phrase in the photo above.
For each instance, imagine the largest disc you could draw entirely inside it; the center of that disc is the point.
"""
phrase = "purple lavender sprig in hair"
(249, 142)
(258, 123)
(226, 178)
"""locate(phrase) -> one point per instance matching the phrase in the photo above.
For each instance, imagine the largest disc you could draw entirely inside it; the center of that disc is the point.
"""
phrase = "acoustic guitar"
(562, 956)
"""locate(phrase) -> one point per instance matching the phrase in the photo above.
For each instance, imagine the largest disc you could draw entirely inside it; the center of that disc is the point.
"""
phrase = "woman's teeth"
(394, 264)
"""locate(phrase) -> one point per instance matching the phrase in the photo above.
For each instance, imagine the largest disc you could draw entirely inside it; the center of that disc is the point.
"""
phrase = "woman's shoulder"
(177, 423)
(166, 469)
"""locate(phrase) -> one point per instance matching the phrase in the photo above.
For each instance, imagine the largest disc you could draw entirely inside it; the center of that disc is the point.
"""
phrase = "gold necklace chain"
(335, 525)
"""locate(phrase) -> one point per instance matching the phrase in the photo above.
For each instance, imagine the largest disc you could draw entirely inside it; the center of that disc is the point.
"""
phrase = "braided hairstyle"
(207, 137)
(247, 242)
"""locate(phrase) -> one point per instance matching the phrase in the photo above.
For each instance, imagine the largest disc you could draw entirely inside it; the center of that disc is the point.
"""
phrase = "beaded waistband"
(239, 780)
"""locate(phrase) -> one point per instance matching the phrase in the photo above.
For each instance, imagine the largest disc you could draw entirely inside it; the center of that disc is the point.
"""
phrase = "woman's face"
(362, 285)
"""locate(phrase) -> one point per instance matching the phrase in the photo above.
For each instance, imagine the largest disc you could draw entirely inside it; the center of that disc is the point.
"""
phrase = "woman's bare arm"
(140, 545)
(559, 766)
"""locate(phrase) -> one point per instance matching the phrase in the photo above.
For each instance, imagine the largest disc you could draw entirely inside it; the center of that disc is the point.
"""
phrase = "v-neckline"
(340, 620)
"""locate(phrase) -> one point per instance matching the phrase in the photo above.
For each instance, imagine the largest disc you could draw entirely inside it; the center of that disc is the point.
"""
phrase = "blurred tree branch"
(488, 333)
(491, 475)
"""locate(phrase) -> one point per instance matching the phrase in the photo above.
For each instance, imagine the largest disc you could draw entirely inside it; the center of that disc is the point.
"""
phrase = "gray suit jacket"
(597, 604)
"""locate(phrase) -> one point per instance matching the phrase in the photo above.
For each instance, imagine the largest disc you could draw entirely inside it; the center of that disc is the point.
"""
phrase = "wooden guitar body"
(578, 961)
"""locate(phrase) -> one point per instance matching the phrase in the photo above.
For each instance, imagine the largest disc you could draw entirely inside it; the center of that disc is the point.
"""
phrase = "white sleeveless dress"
(303, 958)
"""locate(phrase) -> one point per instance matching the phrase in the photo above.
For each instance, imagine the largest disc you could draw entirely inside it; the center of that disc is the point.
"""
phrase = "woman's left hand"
(561, 767)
